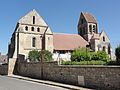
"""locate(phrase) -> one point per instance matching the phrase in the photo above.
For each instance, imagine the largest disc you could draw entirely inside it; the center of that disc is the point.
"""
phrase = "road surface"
(7, 83)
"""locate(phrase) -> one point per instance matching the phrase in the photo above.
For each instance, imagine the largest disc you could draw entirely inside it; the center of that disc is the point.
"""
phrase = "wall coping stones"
(89, 66)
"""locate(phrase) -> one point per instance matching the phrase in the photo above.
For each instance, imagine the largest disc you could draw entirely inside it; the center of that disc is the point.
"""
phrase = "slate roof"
(68, 41)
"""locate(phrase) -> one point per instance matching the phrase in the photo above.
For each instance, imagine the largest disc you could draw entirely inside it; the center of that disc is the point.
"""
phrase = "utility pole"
(42, 51)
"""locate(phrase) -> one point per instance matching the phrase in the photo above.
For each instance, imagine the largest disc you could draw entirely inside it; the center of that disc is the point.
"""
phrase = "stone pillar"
(11, 66)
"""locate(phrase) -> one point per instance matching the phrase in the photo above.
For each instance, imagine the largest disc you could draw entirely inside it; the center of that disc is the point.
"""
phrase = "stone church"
(32, 32)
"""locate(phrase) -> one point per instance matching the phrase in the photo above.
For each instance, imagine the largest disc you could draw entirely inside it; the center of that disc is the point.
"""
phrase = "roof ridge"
(65, 33)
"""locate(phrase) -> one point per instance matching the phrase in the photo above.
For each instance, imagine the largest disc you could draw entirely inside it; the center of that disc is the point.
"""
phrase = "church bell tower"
(87, 26)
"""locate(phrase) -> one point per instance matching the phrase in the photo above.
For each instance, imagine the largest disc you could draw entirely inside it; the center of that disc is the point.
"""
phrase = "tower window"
(33, 42)
(94, 29)
(103, 38)
(32, 29)
(109, 51)
(80, 31)
(90, 28)
(84, 30)
(82, 21)
(26, 28)
(38, 29)
(33, 19)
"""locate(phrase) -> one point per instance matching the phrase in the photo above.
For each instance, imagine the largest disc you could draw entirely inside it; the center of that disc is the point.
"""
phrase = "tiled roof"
(89, 17)
(68, 41)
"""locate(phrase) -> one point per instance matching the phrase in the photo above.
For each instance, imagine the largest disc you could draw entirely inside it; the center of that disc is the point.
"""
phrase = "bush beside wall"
(84, 56)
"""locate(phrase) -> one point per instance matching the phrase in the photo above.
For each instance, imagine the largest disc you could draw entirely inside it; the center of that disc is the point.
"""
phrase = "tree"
(117, 53)
(46, 55)
(34, 55)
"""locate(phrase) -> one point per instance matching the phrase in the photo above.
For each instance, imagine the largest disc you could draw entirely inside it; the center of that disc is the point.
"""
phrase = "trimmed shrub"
(94, 56)
(103, 56)
(85, 55)
(81, 55)
(100, 55)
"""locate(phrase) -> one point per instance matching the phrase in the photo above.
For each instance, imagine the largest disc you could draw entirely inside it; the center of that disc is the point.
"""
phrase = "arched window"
(38, 29)
(33, 42)
(104, 48)
(26, 28)
(32, 28)
(33, 19)
(109, 51)
(103, 38)
(90, 28)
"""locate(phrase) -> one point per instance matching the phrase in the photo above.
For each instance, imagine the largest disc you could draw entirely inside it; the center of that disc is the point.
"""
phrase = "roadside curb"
(71, 87)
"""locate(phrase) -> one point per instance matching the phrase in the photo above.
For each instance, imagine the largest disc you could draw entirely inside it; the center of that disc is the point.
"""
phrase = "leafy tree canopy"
(46, 55)
(36, 56)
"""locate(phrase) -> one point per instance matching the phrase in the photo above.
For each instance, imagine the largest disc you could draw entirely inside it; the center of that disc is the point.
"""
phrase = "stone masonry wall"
(98, 77)
(3, 69)
(29, 69)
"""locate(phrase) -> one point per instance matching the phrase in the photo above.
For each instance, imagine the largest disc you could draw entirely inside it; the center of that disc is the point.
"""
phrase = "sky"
(61, 15)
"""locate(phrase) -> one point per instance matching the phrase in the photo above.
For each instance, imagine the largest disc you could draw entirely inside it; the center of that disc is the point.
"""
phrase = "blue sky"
(61, 15)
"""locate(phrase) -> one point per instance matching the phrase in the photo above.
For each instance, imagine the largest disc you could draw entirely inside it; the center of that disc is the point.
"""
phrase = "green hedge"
(92, 62)
(86, 55)
(81, 55)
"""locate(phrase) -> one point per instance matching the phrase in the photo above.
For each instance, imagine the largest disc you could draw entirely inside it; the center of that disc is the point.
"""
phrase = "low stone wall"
(4, 69)
(98, 77)
(29, 69)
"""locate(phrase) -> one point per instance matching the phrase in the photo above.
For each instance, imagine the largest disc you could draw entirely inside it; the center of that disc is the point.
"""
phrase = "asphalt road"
(7, 83)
